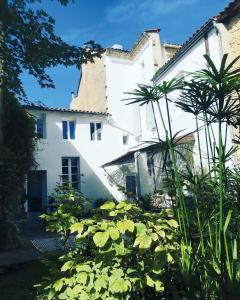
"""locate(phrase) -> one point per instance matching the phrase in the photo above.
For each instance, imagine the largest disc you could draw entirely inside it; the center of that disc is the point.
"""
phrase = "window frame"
(42, 118)
(68, 131)
(96, 131)
(70, 172)
(133, 193)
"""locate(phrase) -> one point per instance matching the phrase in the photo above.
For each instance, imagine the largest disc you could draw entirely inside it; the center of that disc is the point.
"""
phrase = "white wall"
(92, 154)
(192, 61)
(123, 76)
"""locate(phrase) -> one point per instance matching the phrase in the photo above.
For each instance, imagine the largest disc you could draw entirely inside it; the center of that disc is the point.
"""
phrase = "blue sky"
(111, 22)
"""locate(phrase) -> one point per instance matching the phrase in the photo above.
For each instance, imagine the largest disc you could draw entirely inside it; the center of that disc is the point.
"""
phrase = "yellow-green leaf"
(101, 238)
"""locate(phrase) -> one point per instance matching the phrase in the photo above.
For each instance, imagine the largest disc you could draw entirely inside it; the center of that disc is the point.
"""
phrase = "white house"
(98, 145)
(72, 147)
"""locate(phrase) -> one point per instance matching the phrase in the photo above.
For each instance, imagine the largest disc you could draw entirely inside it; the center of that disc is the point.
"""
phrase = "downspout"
(138, 174)
(224, 46)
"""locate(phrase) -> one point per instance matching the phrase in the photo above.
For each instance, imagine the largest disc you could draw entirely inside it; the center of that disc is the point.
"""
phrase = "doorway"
(37, 193)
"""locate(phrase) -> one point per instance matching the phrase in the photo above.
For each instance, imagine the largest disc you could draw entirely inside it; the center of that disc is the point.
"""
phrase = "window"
(125, 139)
(70, 171)
(95, 131)
(41, 127)
(150, 165)
(131, 184)
(68, 129)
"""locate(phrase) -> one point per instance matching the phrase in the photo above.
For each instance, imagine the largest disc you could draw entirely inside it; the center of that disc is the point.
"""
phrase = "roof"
(232, 7)
(67, 110)
(130, 54)
(147, 147)
(205, 28)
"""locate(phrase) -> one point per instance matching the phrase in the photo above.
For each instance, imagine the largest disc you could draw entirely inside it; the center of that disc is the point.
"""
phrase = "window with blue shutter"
(72, 130)
(68, 130)
(65, 129)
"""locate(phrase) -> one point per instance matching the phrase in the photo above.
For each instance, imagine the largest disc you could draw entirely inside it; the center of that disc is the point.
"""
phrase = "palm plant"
(211, 96)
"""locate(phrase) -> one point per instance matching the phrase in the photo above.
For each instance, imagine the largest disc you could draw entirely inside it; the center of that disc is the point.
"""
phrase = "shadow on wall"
(91, 184)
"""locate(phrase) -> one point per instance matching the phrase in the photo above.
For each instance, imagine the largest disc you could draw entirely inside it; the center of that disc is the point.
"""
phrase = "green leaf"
(77, 227)
(114, 233)
(172, 223)
(141, 228)
(68, 265)
(83, 268)
(101, 238)
(125, 225)
(77, 289)
(150, 282)
(101, 282)
(108, 205)
(144, 242)
(119, 248)
(58, 284)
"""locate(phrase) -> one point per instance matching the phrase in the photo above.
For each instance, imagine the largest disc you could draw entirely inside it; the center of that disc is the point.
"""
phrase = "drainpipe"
(138, 174)
(223, 38)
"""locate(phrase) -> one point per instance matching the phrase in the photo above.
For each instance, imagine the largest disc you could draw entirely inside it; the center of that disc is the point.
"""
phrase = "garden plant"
(189, 251)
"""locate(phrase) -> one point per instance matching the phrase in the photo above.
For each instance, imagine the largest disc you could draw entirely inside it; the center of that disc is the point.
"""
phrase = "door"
(36, 193)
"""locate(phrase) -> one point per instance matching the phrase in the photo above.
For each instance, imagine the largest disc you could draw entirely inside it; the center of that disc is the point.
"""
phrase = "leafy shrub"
(121, 252)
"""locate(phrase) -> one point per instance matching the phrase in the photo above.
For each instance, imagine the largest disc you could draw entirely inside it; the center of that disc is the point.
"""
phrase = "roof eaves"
(206, 27)
(228, 11)
(46, 108)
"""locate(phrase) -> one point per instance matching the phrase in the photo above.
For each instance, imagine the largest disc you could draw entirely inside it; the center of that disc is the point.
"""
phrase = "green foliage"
(16, 157)
(122, 253)
(29, 42)
(70, 206)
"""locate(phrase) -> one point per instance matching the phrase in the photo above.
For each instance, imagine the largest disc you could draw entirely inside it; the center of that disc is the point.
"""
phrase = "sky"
(109, 22)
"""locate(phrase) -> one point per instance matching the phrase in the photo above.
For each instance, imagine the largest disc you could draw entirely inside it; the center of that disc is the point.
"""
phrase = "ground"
(16, 282)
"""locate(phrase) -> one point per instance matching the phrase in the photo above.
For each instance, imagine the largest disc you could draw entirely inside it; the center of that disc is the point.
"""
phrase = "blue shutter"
(40, 128)
(92, 131)
(65, 129)
(72, 130)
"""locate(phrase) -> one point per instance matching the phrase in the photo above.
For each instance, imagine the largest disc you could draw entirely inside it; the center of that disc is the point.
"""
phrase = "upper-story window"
(68, 130)
(125, 139)
(95, 131)
(41, 126)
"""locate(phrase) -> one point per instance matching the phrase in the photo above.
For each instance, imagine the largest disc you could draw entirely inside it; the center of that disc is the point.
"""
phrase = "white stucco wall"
(123, 76)
(192, 61)
(92, 154)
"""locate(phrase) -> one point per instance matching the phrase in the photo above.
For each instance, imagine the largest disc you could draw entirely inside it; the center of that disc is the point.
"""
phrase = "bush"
(121, 252)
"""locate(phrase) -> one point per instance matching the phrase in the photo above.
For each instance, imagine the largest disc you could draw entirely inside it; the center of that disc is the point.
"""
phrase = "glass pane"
(92, 131)
(65, 129)
(75, 185)
(64, 162)
(74, 162)
(125, 139)
(65, 178)
(99, 131)
(64, 170)
(72, 130)
(131, 184)
(74, 178)
(74, 170)
(40, 128)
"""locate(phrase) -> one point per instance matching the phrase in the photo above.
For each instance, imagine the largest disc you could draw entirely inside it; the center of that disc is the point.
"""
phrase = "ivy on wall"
(16, 158)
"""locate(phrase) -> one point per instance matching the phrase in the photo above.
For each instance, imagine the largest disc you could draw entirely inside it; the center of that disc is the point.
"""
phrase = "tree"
(27, 42)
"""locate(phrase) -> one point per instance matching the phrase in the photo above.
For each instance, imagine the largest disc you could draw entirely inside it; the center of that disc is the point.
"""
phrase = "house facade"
(103, 146)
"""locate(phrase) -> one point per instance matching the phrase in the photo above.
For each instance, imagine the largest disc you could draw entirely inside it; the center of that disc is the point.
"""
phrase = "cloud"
(135, 9)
